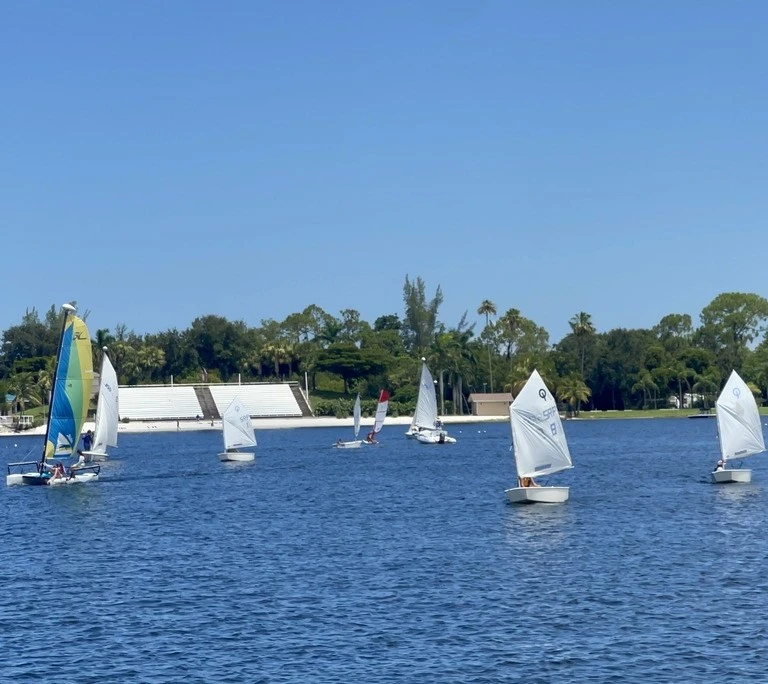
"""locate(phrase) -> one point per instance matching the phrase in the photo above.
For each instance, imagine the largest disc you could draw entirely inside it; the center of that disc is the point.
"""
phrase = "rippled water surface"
(400, 562)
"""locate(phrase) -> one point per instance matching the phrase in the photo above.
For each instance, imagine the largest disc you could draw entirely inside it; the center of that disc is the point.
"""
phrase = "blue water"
(397, 563)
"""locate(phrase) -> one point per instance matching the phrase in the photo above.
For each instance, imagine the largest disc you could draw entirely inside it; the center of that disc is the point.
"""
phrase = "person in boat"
(339, 442)
(58, 471)
(79, 463)
(528, 482)
(719, 465)
(87, 441)
(371, 438)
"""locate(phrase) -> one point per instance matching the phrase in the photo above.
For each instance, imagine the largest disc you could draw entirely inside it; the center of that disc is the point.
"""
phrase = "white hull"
(412, 432)
(427, 437)
(537, 494)
(18, 479)
(349, 445)
(240, 456)
(743, 475)
(95, 456)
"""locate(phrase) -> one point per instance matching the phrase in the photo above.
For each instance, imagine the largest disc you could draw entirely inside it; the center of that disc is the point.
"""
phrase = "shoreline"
(139, 426)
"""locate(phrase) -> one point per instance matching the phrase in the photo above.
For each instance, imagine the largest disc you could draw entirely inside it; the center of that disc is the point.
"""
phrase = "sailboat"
(72, 378)
(539, 443)
(739, 429)
(425, 425)
(381, 414)
(237, 430)
(106, 413)
(354, 444)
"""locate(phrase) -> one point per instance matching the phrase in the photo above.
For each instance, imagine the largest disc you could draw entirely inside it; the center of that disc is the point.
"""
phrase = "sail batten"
(738, 420)
(537, 432)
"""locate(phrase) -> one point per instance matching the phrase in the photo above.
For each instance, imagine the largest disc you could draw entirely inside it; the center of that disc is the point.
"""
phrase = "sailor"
(87, 441)
(719, 465)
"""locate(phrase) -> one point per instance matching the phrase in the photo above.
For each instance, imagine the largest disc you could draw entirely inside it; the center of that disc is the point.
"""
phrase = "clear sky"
(167, 160)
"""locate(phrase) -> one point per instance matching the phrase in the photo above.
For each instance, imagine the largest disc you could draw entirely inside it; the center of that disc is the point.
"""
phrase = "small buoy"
(15, 445)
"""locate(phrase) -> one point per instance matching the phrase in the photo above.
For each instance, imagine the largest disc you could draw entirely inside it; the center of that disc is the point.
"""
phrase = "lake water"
(396, 563)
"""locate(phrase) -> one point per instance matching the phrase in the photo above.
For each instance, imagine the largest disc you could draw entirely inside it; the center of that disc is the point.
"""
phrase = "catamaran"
(72, 378)
(425, 426)
(739, 429)
(106, 413)
(354, 444)
(539, 443)
(381, 414)
(237, 430)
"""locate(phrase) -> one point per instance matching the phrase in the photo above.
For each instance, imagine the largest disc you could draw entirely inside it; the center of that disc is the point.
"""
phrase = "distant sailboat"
(70, 397)
(354, 444)
(739, 429)
(106, 413)
(425, 426)
(381, 414)
(539, 443)
(237, 431)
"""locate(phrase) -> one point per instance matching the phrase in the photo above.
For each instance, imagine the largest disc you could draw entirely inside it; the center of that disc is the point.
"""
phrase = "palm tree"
(22, 386)
(706, 384)
(487, 308)
(573, 391)
(582, 328)
(646, 385)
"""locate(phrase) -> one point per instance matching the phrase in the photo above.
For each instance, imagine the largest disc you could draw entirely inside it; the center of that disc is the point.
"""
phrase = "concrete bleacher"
(180, 402)
(159, 402)
(260, 400)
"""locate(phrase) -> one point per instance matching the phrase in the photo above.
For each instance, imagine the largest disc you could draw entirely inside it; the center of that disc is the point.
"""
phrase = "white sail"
(537, 432)
(738, 420)
(381, 411)
(426, 405)
(237, 426)
(106, 409)
(356, 414)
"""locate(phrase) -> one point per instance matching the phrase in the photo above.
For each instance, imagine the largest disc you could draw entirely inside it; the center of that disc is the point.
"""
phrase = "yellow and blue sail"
(71, 390)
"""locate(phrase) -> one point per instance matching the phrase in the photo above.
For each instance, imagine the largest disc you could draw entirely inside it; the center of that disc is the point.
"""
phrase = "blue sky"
(163, 161)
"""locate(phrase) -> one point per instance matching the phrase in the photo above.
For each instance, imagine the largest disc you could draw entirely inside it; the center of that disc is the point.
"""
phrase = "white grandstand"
(188, 402)
(261, 401)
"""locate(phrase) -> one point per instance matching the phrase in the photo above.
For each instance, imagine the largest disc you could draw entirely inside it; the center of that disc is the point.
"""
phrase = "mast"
(68, 309)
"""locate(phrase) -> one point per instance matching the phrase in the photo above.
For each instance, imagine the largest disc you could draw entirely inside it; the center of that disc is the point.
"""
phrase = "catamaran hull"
(741, 475)
(537, 494)
(349, 445)
(240, 456)
(35, 479)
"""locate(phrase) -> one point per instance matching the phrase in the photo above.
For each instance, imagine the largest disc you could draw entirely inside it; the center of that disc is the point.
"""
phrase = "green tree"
(573, 391)
(487, 308)
(420, 320)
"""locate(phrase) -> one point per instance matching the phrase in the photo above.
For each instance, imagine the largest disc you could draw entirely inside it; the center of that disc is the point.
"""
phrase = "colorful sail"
(381, 412)
(71, 390)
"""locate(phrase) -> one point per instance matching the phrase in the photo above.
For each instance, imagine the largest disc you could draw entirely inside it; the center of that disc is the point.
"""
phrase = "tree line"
(587, 369)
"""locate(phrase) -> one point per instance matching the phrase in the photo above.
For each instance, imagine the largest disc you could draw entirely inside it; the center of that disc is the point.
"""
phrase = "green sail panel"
(71, 390)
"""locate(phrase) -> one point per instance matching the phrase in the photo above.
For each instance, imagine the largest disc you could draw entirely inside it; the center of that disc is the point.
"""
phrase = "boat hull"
(94, 456)
(426, 437)
(34, 479)
(537, 494)
(239, 456)
(740, 475)
(349, 445)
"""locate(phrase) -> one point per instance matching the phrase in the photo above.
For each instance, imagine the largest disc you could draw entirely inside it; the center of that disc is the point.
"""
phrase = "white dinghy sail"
(237, 431)
(355, 443)
(107, 413)
(425, 426)
(539, 443)
(739, 429)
